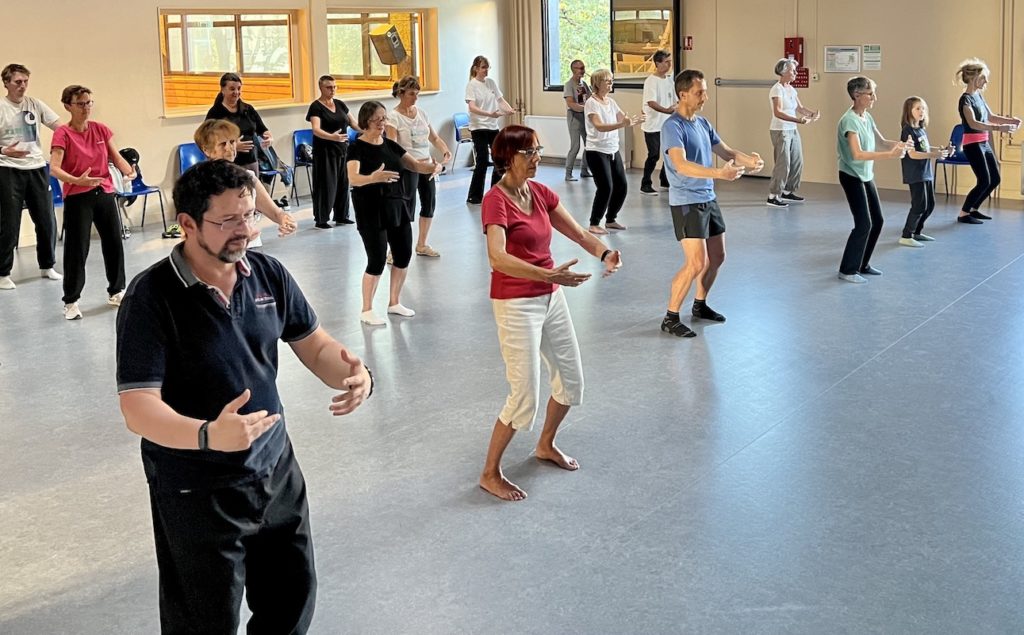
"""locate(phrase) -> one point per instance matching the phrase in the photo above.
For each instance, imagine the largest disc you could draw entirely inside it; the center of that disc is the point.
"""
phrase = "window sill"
(366, 95)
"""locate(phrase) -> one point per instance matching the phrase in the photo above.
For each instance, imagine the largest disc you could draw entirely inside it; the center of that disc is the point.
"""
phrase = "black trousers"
(610, 180)
(212, 544)
(986, 170)
(482, 140)
(81, 212)
(867, 223)
(653, 140)
(19, 189)
(330, 186)
(922, 202)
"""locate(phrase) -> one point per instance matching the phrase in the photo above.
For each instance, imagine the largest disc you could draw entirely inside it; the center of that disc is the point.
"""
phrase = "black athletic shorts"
(698, 220)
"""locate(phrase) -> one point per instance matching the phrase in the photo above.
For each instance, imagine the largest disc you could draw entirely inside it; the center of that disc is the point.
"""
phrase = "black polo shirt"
(201, 349)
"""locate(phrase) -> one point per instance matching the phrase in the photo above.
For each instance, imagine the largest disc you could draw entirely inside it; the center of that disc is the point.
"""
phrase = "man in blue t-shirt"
(689, 142)
(197, 338)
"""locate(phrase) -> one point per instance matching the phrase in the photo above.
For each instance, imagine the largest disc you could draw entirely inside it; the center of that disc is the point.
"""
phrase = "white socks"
(398, 309)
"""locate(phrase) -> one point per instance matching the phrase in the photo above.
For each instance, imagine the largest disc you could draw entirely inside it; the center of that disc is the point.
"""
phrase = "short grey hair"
(857, 85)
(780, 66)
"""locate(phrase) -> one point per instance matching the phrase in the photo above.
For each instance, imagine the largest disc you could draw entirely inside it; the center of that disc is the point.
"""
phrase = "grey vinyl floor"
(835, 458)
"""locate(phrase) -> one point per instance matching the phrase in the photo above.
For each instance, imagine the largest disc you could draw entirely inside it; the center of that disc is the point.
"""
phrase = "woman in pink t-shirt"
(529, 307)
(79, 155)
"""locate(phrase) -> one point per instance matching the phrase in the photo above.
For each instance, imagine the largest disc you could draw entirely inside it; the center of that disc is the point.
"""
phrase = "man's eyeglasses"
(230, 225)
(83, 104)
(529, 153)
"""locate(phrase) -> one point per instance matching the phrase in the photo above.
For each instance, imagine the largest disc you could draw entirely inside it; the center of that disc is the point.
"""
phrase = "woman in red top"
(529, 307)
(79, 156)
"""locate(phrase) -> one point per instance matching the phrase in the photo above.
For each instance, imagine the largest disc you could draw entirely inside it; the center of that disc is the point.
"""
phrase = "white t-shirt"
(19, 123)
(662, 91)
(787, 104)
(413, 134)
(485, 96)
(606, 142)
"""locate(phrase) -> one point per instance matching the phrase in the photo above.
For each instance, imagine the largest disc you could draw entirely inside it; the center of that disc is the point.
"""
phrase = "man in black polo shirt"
(196, 365)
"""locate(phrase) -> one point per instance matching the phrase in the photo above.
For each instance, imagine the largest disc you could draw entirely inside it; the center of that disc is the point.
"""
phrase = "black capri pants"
(986, 170)
(610, 179)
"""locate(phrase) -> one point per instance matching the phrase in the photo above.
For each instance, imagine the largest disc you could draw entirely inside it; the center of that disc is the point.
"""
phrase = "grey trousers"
(577, 138)
(789, 162)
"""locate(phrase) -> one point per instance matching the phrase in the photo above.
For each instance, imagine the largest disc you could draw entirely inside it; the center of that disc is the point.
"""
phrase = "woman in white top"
(408, 125)
(787, 112)
(486, 105)
(604, 119)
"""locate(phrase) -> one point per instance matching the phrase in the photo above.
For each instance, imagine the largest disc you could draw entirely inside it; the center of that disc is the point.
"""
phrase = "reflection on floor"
(836, 457)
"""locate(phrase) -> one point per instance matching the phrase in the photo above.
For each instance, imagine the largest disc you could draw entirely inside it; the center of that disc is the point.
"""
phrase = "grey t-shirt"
(19, 123)
(578, 92)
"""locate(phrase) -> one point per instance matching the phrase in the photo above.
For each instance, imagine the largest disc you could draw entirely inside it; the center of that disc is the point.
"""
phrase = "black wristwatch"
(204, 436)
(370, 373)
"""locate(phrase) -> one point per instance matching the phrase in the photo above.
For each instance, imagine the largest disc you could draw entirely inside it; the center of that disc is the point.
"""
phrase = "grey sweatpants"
(789, 162)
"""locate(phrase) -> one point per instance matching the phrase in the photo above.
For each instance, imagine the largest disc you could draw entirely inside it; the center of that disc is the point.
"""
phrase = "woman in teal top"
(856, 145)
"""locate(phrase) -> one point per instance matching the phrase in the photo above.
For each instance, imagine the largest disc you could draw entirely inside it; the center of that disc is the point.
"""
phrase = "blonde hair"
(478, 61)
(213, 129)
(969, 69)
(599, 76)
(908, 112)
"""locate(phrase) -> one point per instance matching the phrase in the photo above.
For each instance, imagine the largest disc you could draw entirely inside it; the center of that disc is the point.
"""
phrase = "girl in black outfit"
(978, 122)
(229, 105)
(382, 200)
(330, 119)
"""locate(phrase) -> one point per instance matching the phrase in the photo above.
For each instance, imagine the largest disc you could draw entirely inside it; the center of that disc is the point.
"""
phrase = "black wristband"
(605, 254)
(370, 373)
(204, 437)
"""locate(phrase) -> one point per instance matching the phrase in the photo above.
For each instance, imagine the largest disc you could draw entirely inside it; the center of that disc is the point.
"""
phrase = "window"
(354, 59)
(197, 48)
(620, 35)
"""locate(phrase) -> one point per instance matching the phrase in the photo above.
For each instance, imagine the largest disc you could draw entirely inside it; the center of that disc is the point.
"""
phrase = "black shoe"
(976, 214)
(868, 270)
(588, 175)
(648, 190)
(322, 226)
(776, 202)
(792, 197)
(284, 204)
(704, 312)
(345, 221)
(676, 328)
(969, 220)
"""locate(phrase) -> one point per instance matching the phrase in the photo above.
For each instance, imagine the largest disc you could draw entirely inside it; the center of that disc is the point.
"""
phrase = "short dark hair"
(686, 78)
(224, 79)
(508, 143)
(366, 111)
(660, 56)
(324, 79)
(858, 85)
(72, 91)
(204, 180)
(11, 69)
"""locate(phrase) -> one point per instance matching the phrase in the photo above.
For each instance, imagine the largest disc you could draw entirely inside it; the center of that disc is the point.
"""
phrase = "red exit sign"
(803, 77)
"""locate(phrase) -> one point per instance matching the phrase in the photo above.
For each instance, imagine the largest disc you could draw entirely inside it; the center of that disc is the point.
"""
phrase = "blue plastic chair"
(956, 140)
(188, 155)
(462, 134)
(353, 134)
(55, 189)
(300, 137)
(139, 188)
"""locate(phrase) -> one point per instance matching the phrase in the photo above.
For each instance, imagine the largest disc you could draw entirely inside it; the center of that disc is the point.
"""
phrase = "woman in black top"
(383, 210)
(330, 119)
(229, 105)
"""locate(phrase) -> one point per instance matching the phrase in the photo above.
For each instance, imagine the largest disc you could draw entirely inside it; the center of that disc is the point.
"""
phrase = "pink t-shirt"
(527, 237)
(83, 150)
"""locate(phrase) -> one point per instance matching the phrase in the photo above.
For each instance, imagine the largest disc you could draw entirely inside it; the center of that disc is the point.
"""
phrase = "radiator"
(553, 134)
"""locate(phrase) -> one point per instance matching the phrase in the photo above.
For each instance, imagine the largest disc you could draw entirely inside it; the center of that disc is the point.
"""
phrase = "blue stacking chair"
(353, 134)
(300, 137)
(956, 140)
(188, 155)
(139, 188)
(462, 134)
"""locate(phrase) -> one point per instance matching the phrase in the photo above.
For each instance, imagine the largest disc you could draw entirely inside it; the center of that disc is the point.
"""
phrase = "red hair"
(510, 140)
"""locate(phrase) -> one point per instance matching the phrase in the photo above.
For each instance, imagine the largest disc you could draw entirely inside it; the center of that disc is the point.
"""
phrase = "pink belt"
(975, 137)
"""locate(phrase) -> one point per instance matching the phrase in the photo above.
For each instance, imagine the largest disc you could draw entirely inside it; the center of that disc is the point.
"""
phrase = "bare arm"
(56, 169)
(322, 355)
(750, 161)
(563, 222)
(471, 104)
(439, 143)
(391, 132)
(115, 157)
(979, 126)
(682, 165)
(653, 105)
(314, 122)
(380, 175)
(571, 104)
(607, 127)
(863, 155)
(423, 166)
(777, 111)
(887, 144)
(354, 124)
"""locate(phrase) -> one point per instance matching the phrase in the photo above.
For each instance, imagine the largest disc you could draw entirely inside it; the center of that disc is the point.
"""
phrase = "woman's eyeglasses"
(376, 120)
(529, 153)
(230, 225)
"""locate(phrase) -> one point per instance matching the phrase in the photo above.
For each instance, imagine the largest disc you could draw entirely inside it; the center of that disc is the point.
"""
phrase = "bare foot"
(557, 457)
(502, 488)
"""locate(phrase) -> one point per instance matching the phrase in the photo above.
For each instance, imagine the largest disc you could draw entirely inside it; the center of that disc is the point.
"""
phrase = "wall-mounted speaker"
(388, 44)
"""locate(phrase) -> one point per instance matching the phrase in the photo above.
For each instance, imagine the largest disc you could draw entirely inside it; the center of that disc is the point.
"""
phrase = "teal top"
(865, 128)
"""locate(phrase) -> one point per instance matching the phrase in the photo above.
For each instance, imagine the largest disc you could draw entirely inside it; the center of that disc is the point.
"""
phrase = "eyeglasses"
(377, 120)
(83, 104)
(247, 220)
(529, 153)
(19, 82)
(866, 92)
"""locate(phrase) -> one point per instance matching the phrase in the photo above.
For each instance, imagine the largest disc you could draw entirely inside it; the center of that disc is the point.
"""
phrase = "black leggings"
(610, 179)
(81, 212)
(867, 223)
(922, 202)
(376, 242)
(482, 140)
(986, 170)
(427, 188)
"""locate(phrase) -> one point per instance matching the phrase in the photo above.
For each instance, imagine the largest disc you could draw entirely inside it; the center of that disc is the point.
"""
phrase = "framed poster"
(872, 57)
(842, 59)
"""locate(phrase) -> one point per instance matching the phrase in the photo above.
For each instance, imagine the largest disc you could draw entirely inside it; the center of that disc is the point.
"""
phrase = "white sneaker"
(855, 278)
(910, 242)
(50, 274)
(925, 238)
(72, 312)
(6, 283)
(370, 319)
(398, 309)
(115, 300)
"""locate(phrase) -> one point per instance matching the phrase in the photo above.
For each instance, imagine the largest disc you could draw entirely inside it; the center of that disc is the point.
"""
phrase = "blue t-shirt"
(201, 350)
(696, 138)
(916, 170)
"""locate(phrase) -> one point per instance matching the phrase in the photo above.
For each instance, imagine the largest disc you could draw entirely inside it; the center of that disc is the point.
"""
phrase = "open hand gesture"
(730, 171)
(380, 175)
(287, 225)
(357, 386)
(756, 164)
(562, 275)
(85, 180)
(233, 432)
(612, 263)
(12, 151)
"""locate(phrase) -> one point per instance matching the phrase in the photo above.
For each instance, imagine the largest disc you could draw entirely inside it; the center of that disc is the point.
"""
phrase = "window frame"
(366, 22)
(237, 24)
